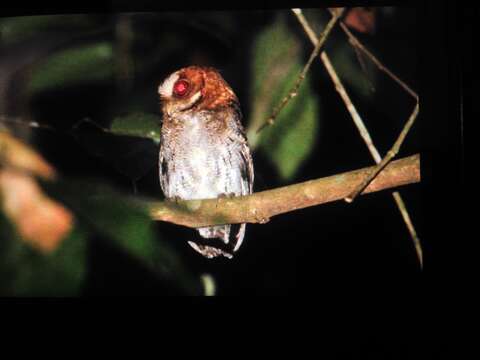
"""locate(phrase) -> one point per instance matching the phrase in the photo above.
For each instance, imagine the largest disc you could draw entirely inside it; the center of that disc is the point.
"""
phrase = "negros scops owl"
(204, 152)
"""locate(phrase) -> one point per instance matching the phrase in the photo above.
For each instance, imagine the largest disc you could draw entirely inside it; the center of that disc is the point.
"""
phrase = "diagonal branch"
(261, 206)
(390, 155)
(359, 122)
(294, 90)
(8, 120)
(359, 46)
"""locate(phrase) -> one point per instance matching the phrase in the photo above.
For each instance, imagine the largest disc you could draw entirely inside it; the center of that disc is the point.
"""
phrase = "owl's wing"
(241, 139)
(247, 174)
(247, 165)
(163, 172)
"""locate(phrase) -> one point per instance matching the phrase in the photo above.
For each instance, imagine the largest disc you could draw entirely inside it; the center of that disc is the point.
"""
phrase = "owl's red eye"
(180, 88)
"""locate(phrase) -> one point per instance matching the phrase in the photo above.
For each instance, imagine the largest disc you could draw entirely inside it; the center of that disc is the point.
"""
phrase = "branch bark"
(358, 120)
(261, 206)
(390, 155)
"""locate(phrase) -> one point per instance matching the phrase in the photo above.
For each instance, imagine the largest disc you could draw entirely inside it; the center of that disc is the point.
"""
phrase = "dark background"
(340, 251)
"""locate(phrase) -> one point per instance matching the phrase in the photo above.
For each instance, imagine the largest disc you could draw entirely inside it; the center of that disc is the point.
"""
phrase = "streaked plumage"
(204, 153)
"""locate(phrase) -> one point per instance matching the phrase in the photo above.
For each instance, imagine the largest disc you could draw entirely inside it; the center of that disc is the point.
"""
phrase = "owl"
(204, 152)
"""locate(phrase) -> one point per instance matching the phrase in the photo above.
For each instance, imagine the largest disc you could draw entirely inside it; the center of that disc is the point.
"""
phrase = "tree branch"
(390, 155)
(364, 133)
(261, 206)
(359, 46)
(294, 90)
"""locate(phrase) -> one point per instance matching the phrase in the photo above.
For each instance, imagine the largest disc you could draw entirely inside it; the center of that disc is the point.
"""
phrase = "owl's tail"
(231, 236)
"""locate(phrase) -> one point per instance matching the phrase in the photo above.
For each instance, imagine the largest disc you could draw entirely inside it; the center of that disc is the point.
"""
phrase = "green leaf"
(74, 66)
(138, 124)
(98, 210)
(277, 62)
(14, 29)
(344, 58)
(132, 156)
(128, 226)
(28, 272)
(347, 65)
(289, 142)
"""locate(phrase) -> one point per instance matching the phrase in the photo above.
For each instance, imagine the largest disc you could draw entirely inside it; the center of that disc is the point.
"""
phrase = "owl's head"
(195, 88)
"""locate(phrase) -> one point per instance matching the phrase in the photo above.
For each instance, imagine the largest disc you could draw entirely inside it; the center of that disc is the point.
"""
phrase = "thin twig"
(358, 45)
(406, 218)
(364, 68)
(4, 119)
(362, 129)
(364, 133)
(294, 90)
(261, 206)
(387, 158)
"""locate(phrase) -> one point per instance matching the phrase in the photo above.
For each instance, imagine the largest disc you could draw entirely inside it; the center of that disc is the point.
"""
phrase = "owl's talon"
(174, 199)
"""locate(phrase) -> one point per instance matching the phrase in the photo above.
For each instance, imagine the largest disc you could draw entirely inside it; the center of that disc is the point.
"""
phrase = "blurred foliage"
(130, 150)
(28, 261)
(128, 226)
(73, 66)
(356, 72)
(25, 271)
(277, 62)
(101, 215)
(137, 124)
(348, 65)
(16, 29)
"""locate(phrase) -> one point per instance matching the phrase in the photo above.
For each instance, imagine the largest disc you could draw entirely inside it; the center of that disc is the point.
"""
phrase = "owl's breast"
(200, 164)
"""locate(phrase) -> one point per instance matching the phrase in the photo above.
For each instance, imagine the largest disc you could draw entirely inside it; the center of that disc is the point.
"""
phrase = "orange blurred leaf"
(39, 220)
(18, 155)
(361, 19)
